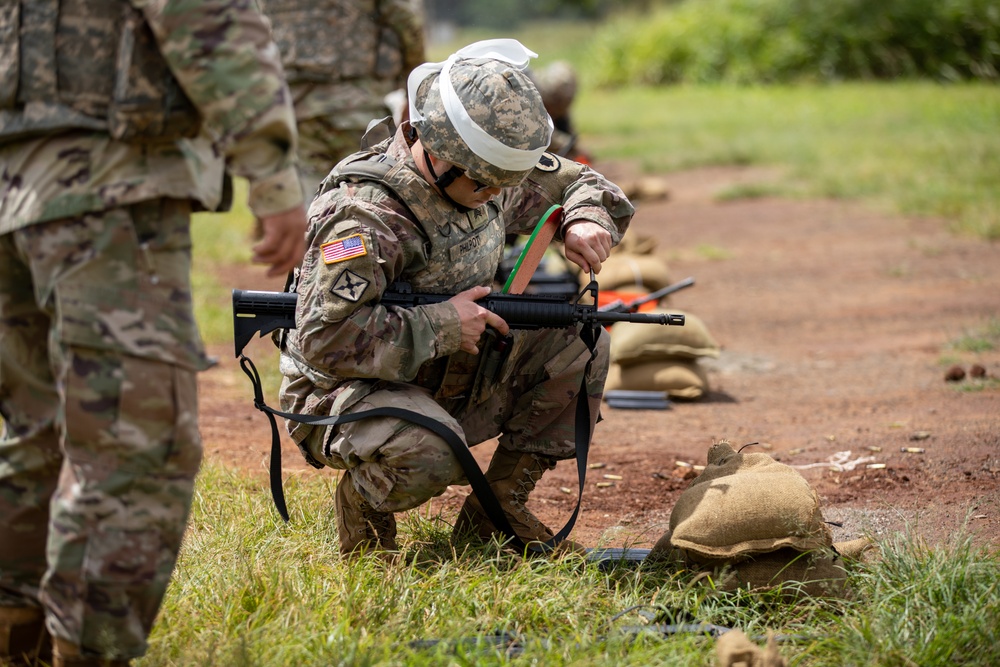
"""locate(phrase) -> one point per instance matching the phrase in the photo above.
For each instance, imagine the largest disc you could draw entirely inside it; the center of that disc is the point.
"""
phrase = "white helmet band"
(475, 137)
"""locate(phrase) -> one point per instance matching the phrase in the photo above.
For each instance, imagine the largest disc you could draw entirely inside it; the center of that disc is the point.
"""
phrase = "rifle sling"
(477, 479)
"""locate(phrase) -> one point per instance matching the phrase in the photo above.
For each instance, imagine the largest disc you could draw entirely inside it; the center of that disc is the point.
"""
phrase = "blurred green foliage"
(768, 41)
(513, 13)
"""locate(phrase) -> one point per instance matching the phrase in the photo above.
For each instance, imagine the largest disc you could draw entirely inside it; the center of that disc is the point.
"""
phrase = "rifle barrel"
(671, 319)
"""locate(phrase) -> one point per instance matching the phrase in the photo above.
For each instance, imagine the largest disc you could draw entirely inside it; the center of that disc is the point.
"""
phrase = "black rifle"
(266, 311)
(620, 306)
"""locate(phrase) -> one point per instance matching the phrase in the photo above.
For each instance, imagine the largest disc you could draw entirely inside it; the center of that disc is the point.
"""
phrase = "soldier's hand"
(475, 318)
(587, 245)
(283, 242)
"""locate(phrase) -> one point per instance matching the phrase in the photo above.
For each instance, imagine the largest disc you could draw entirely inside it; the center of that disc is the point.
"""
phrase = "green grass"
(915, 148)
(250, 590)
(984, 339)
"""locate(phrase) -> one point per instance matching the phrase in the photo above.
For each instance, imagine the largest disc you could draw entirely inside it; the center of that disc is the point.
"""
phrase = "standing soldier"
(118, 118)
(343, 58)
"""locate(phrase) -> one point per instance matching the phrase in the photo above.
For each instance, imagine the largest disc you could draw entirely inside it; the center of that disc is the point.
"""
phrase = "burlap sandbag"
(636, 244)
(743, 504)
(734, 649)
(646, 271)
(680, 378)
(754, 524)
(636, 343)
(817, 573)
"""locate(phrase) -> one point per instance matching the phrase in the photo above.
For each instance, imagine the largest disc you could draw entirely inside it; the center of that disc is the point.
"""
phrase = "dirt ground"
(835, 322)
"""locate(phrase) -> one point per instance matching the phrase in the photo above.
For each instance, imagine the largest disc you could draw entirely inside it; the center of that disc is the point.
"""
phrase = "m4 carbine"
(255, 311)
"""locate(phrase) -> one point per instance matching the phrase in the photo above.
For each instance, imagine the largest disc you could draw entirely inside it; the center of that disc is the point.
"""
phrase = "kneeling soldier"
(431, 206)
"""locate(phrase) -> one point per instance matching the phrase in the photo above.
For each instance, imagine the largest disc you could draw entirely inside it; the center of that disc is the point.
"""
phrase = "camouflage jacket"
(365, 235)
(344, 57)
(221, 54)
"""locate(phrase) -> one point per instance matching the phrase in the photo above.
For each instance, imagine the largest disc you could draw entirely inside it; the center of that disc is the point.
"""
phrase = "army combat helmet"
(480, 111)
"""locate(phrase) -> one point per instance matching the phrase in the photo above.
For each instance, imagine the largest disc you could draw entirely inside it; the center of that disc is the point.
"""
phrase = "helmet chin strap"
(444, 180)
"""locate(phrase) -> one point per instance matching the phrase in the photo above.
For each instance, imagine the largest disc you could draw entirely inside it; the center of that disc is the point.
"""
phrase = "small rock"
(977, 371)
(955, 374)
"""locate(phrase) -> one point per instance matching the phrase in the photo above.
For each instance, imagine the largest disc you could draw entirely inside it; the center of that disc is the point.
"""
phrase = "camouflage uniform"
(350, 353)
(342, 59)
(102, 166)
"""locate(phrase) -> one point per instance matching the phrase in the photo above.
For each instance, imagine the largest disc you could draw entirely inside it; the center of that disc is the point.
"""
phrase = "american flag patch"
(338, 251)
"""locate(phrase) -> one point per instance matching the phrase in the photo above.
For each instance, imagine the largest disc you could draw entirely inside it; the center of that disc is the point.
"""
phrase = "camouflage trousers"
(530, 403)
(100, 446)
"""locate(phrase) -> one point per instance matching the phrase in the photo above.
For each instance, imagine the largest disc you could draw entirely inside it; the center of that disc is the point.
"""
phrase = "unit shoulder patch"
(548, 162)
(349, 286)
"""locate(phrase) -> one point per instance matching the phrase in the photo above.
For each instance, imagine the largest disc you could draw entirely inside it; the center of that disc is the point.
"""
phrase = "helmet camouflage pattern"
(496, 126)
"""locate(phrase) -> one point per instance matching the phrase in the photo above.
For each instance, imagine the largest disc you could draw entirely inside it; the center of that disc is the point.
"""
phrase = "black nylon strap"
(477, 480)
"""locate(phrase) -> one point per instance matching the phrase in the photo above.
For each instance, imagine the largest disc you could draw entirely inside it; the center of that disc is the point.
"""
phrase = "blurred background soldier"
(343, 58)
(558, 84)
(117, 120)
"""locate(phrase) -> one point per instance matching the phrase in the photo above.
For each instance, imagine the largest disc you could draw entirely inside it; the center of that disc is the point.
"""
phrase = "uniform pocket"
(129, 417)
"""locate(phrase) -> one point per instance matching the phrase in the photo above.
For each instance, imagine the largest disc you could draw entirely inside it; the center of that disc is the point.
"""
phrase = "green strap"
(541, 223)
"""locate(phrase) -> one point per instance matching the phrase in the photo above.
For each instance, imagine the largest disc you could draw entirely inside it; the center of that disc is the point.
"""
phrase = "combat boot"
(23, 637)
(359, 527)
(512, 476)
(65, 654)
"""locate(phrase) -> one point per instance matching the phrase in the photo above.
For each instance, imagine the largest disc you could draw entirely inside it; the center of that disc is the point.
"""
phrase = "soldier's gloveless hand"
(588, 245)
(475, 318)
(284, 241)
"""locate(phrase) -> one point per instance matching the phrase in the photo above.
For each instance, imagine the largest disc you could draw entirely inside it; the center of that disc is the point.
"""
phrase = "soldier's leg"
(29, 459)
(536, 397)
(124, 351)
(551, 371)
(391, 465)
